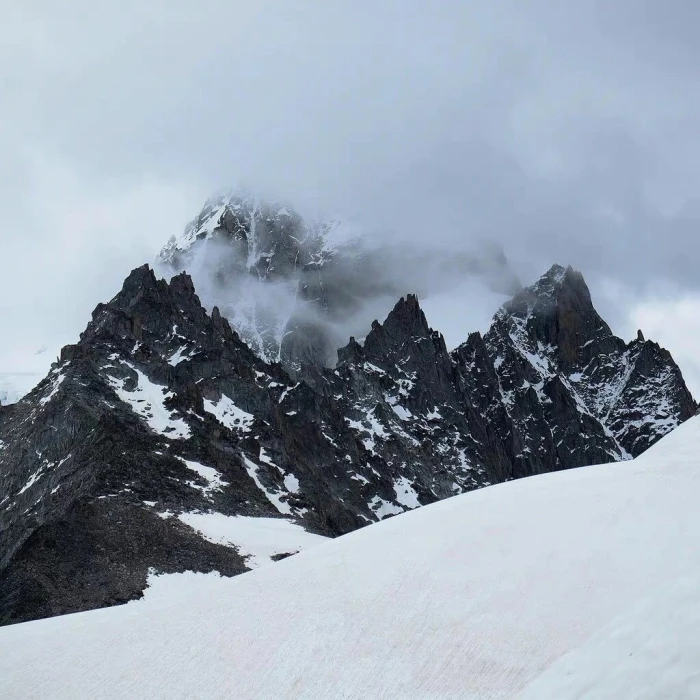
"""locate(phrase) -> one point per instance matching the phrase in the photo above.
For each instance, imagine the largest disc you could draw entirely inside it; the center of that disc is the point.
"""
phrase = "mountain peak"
(405, 325)
(241, 242)
(550, 338)
(557, 312)
(408, 310)
(404, 328)
(236, 218)
(147, 307)
(557, 280)
(557, 271)
(143, 287)
(140, 285)
(143, 274)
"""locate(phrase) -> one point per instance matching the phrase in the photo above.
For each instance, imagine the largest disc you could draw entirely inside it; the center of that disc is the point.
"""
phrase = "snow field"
(554, 582)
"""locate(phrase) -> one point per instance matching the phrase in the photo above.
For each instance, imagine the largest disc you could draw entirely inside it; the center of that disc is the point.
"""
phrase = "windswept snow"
(582, 584)
(291, 483)
(203, 227)
(405, 493)
(371, 426)
(401, 412)
(57, 380)
(178, 356)
(32, 480)
(384, 508)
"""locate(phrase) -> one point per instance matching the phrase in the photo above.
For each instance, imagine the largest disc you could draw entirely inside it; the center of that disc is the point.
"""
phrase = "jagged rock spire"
(557, 311)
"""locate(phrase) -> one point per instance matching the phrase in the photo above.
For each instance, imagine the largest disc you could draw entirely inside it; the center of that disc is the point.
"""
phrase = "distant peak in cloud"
(297, 287)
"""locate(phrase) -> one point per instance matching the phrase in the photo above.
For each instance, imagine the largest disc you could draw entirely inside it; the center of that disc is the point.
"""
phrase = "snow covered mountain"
(579, 584)
(162, 419)
(250, 257)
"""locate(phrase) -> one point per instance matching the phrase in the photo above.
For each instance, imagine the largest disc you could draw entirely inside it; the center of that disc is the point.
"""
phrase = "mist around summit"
(296, 289)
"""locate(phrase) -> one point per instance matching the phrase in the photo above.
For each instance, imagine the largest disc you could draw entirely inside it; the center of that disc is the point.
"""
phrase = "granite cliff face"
(161, 440)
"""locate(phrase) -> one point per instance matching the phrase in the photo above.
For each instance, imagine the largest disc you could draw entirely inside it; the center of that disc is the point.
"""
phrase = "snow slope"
(577, 584)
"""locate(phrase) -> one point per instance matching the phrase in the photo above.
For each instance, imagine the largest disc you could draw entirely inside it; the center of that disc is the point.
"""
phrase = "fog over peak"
(277, 275)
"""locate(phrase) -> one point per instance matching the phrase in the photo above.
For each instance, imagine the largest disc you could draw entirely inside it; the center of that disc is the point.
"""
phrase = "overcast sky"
(565, 131)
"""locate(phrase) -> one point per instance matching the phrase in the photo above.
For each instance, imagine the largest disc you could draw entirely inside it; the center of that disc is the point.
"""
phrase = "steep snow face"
(148, 401)
(562, 586)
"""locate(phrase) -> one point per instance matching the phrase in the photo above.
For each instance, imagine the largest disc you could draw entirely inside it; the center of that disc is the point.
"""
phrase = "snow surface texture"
(577, 584)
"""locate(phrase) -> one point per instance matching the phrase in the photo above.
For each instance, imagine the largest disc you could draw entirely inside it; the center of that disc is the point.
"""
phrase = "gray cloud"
(563, 131)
